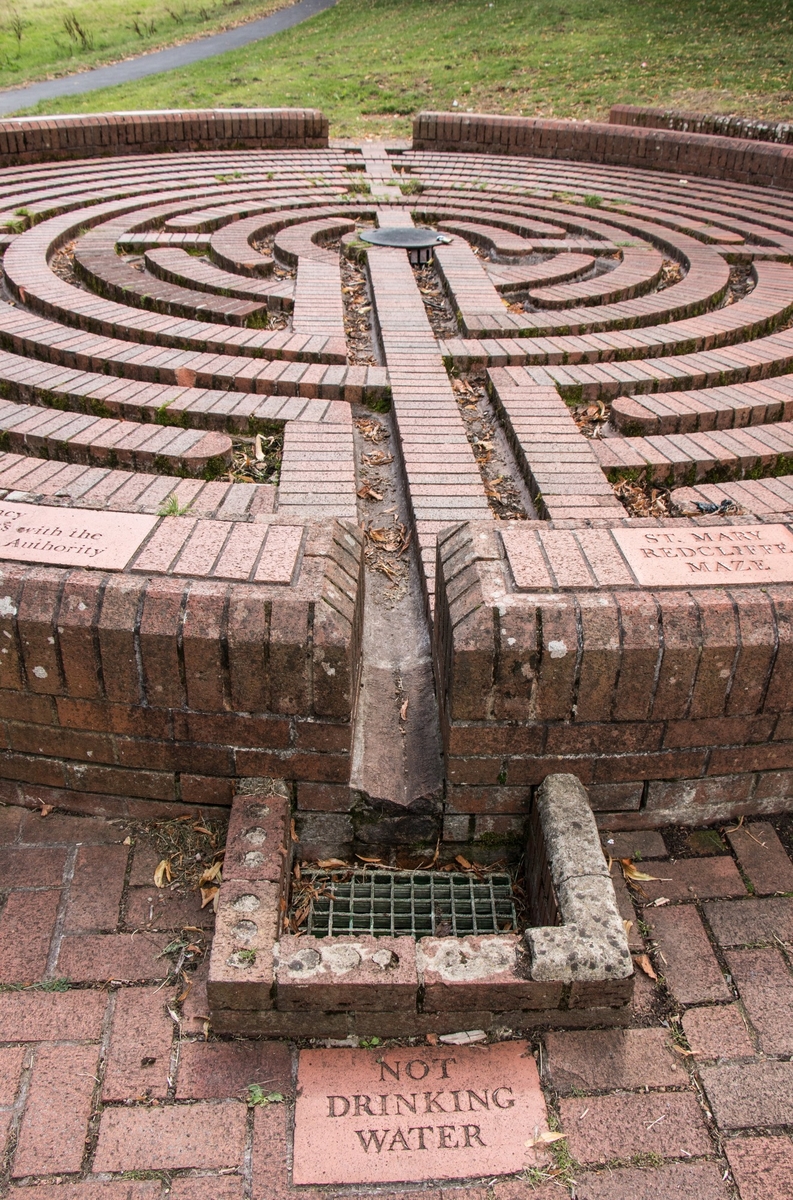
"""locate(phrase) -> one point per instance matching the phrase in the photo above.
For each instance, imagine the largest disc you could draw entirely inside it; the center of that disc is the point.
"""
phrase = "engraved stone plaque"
(71, 537)
(416, 1112)
(710, 555)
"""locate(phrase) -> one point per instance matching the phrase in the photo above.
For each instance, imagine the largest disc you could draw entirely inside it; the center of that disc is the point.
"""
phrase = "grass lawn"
(40, 39)
(370, 64)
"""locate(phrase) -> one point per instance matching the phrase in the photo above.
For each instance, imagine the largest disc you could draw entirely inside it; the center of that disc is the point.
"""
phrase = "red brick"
(95, 891)
(200, 1135)
(695, 879)
(119, 1189)
(746, 1095)
(54, 1127)
(31, 866)
(11, 1059)
(270, 1156)
(687, 960)
(748, 921)
(57, 828)
(637, 844)
(763, 857)
(195, 1006)
(717, 1032)
(766, 987)
(51, 1016)
(159, 908)
(206, 789)
(677, 1181)
(615, 1058)
(216, 1070)
(26, 928)
(201, 1187)
(120, 956)
(623, 1125)
(763, 1167)
(139, 1059)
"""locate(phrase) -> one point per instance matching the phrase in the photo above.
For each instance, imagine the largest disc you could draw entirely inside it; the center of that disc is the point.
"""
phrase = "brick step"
(762, 497)
(95, 440)
(563, 472)
(33, 480)
(507, 278)
(639, 270)
(179, 267)
(231, 245)
(712, 408)
(689, 457)
(267, 385)
(502, 242)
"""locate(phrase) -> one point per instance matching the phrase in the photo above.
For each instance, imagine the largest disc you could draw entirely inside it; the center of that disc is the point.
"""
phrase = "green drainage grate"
(409, 903)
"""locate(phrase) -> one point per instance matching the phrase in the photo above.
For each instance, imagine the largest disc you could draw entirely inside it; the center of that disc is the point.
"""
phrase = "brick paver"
(198, 1135)
(53, 1132)
(699, 1181)
(687, 960)
(602, 1128)
(763, 1167)
(613, 1058)
(717, 1032)
(141, 1037)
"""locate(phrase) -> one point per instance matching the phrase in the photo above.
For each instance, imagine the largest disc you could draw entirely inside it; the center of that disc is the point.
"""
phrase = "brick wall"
(39, 139)
(671, 706)
(621, 145)
(723, 124)
(163, 689)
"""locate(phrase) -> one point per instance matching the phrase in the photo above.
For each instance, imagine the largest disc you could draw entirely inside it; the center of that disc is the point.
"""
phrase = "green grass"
(40, 39)
(370, 64)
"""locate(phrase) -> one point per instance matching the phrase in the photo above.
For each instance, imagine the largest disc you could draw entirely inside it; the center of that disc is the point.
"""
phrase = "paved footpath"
(169, 59)
(110, 1085)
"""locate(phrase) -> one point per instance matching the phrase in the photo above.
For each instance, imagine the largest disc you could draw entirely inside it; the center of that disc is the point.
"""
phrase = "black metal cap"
(416, 237)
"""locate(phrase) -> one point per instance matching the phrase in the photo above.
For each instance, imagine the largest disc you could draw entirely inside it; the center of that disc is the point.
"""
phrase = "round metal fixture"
(418, 240)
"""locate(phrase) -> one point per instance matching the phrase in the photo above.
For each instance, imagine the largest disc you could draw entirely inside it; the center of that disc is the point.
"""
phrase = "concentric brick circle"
(191, 336)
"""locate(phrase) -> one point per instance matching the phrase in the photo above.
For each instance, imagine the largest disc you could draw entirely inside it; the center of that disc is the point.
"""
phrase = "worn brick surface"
(91, 1189)
(139, 1058)
(665, 1123)
(751, 921)
(95, 894)
(27, 924)
(11, 1059)
(53, 1131)
(31, 866)
(750, 1094)
(765, 985)
(614, 1058)
(687, 959)
(763, 1167)
(763, 857)
(717, 1031)
(119, 956)
(199, 1135)
(52, 1016)
(697, 1181)
(695, 879)
(214, 1070)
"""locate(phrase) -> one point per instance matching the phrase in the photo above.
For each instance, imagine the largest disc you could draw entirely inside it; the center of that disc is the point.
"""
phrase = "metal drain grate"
(410, 903)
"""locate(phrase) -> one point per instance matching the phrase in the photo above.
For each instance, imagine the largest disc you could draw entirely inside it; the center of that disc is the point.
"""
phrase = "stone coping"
(263, 979)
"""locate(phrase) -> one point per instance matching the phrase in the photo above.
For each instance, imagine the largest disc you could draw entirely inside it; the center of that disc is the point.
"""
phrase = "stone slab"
(411, 1114)
(703, 557)
(71, 537)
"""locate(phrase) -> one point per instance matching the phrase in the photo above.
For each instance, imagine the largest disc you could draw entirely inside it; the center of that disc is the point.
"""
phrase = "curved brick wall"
(43, 139)
(598, 142)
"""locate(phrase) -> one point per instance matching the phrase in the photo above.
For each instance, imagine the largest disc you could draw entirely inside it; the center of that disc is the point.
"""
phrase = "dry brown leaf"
(377, 861)
(330, 862)
(545, 1139)
(627, 926)
(163, 873)
(292, 832)
(403, 712)
(682, 1050)
(643, 961)
(208, 895)
(464, 863)
(45, 810)
(127, 841)
(211, 874)
(297, 872)
(630, 872)
(432, 1039)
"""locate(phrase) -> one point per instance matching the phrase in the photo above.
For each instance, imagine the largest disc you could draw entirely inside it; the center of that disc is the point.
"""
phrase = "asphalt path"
(162, 60)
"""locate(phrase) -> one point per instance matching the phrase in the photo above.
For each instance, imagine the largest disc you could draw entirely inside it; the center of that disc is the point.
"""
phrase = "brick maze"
(407, 539)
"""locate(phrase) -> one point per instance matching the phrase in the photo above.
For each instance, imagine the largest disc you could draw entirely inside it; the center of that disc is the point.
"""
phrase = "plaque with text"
(71, 537)
(727, 554)
(416, 1112)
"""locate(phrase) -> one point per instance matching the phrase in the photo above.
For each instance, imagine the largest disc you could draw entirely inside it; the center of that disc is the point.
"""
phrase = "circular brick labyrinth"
(195, 337)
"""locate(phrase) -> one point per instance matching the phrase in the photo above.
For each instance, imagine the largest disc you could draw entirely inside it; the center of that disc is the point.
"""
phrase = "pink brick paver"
(141, 1036)
(198, 1135)
(53, 1133)
(687, 960)
(602, 1128)
(717, 1031)
(763, 1167)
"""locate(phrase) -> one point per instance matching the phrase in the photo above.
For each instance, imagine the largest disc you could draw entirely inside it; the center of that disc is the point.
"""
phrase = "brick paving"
(104, 1071)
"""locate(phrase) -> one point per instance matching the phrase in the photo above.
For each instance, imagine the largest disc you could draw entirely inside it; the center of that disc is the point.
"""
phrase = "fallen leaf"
(211, 874)
(630, 872)
(46, 809)
(297, 872)
(463, 1039)
(682, 1050)
(627, 926)
(292, 833)
(643, 961)
(330, 862)
(464, 863)
(403, 712)
(545, 1139)
(163, 874)
(208, 895)
(127, 841)
(378, 861)
(660, 902)
(432, 1039)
